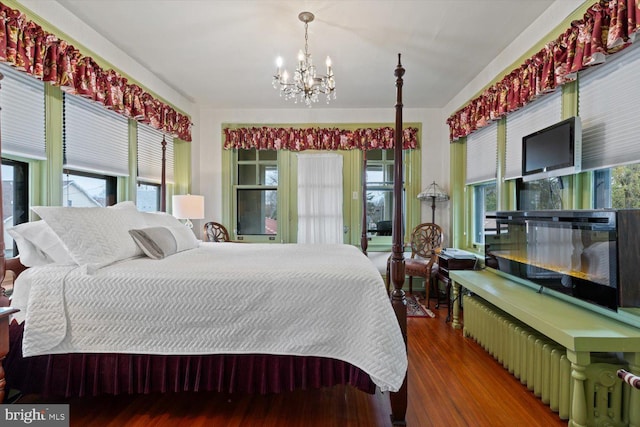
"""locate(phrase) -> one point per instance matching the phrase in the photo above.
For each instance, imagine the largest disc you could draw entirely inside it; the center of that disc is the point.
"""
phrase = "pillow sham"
(161, 219)
(160, 242)
(94, 235)
(38, 244)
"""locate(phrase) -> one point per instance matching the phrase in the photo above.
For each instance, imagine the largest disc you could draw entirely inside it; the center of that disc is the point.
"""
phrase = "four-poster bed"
(59, 365)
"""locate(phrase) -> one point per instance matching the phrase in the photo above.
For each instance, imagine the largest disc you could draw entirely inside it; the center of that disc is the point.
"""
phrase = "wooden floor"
(452, 382)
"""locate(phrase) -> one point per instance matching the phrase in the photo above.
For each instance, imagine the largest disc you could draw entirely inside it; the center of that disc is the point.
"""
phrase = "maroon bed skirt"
(78, 375)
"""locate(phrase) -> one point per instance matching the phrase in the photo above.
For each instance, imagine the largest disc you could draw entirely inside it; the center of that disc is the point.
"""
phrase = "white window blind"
(608, 97)
(22, 119)
(482, 154)
(531, 118)
(96, 139)
(150, 155)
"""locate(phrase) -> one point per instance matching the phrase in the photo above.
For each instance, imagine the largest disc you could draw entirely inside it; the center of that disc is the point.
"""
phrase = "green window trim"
(352, 185)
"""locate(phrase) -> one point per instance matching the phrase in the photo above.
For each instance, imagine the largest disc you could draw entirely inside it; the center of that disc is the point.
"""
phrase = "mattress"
(219, 298)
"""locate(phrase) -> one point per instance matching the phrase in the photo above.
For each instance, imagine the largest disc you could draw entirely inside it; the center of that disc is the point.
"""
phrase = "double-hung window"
(23, 143)
(256, 192)
(96, 150)
(607, 101)
(379, 193)
(481, 171)
(150, 167)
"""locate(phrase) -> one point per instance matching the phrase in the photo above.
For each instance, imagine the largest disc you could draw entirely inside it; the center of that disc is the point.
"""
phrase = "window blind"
(531, 118)
(150, 155)
(22, 121)
(482, 154)
(608, 95)
(95, 139)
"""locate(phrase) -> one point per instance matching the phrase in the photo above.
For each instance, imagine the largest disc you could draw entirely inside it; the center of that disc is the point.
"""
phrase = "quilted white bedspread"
(314, 300)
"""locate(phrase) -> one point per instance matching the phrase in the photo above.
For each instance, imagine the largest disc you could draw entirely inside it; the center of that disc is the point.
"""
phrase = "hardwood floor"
(452, 382)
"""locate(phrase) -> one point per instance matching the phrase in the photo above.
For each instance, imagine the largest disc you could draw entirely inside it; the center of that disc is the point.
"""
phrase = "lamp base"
(188, 223)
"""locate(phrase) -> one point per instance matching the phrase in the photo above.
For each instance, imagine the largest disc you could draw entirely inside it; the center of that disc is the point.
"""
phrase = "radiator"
(542, 365)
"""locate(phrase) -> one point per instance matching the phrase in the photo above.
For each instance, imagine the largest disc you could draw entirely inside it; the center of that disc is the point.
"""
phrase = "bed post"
(2, 248)
(397, 269)
(163, 177)
(364, 242)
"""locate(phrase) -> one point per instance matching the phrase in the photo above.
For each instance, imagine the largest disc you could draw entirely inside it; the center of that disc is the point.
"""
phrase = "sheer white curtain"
(320, 198)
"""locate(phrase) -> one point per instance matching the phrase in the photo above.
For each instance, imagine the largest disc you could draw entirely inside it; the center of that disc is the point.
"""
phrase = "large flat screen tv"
(553, 151)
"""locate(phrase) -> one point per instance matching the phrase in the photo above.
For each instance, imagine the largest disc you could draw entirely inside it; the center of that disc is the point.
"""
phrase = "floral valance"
(607, 27)
(271, 138)
(27, 47)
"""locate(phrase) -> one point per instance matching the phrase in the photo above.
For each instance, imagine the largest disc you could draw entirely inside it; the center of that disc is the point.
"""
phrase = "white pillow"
(38, 244)
(94, 235)
(161, 219)
(160, 242)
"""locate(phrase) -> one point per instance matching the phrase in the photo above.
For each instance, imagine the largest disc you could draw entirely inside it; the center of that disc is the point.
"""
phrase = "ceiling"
(221, 53)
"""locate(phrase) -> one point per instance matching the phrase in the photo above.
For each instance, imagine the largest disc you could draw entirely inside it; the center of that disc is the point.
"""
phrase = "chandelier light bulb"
(305, 86)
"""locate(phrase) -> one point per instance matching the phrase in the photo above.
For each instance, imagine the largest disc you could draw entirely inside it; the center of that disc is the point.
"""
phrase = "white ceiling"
(221, 53)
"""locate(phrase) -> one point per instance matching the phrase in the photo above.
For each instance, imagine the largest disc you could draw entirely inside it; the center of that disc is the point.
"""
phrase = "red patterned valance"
(607, 27)
(27, 47)
(270, 138)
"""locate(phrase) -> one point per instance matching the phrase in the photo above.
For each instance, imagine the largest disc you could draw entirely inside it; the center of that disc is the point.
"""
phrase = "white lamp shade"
(188, 206)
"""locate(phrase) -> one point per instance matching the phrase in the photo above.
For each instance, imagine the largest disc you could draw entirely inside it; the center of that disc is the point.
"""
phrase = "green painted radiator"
(542, 365)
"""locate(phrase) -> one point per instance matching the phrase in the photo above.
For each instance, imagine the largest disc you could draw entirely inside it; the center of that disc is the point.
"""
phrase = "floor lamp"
(434, 194)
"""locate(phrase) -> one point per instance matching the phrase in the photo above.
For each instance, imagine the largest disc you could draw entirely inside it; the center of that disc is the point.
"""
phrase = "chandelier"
(306, 84)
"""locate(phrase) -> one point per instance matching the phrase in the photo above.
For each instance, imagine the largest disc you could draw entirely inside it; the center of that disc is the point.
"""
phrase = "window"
(617, 187)
(82, 189)
(148, 197)
(256, 192)
(541, 194)
(484, 202)
(15, 205)
(379, 192)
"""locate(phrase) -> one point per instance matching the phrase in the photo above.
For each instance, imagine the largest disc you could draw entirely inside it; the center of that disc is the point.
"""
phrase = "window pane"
(542, 194)
(485, 202)
(379, 211)
(268, 155)
(257, 211)
(148, 197)
(374, 174)
(7, 207)
(84, 191)
(618, 187)
(269, 175)
(247, 155)
(15, 205)
(374, 155)
(247, 174)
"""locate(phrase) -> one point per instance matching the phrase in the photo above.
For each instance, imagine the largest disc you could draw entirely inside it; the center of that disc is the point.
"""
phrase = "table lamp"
(188, 207)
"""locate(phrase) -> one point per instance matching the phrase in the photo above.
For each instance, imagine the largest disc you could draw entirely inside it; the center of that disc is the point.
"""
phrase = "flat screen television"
(553, 151)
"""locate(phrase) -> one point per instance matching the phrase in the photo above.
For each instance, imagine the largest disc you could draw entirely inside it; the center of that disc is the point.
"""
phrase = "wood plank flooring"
(452, 382)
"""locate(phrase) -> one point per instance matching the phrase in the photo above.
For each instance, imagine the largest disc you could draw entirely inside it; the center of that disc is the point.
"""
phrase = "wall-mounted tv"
(553, 151)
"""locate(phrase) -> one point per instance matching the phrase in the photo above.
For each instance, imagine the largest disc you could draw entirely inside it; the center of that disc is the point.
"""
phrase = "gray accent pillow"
(160, 242)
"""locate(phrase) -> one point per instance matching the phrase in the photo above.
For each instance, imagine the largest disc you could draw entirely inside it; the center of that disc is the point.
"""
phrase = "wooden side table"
(452, 261)
(5, 312)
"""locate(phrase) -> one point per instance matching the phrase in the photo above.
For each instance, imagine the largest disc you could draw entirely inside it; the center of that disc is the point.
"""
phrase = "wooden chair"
(426, 243)
(216, 232)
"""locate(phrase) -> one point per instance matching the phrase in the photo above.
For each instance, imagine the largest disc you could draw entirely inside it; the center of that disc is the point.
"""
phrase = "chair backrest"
(215, 232)
(426, 240)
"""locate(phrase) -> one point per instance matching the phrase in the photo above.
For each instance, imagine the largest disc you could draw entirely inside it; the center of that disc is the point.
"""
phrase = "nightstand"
(5, 312)
(452, 260)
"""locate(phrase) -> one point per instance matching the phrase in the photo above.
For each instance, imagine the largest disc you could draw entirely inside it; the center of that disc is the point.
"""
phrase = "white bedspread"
(313, 300)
